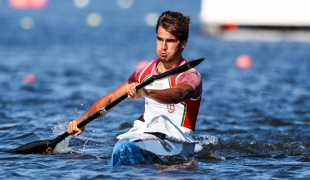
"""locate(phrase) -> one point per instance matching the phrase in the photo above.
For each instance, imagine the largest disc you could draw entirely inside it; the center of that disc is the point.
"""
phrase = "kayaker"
(173, 102)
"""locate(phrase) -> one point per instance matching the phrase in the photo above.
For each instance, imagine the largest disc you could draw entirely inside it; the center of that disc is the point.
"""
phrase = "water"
(253, 123)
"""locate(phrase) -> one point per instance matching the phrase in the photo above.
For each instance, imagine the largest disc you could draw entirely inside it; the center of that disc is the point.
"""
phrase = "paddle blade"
(37, 147)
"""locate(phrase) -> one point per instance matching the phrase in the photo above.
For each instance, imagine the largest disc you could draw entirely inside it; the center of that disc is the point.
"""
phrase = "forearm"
(105, 100)
(172, 95)
(102, 102)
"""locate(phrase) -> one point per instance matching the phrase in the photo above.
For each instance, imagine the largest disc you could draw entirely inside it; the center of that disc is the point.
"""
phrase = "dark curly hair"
(175, 23)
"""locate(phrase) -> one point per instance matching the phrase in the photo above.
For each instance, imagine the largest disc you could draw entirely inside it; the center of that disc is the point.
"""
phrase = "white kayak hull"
(158, 138)
(160, 147)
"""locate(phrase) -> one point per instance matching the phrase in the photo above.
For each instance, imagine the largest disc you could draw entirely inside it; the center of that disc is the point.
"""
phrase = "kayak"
(149, 142)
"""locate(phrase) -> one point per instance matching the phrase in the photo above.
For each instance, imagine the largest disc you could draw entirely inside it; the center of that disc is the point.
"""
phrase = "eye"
(171, 40)
(159, 39)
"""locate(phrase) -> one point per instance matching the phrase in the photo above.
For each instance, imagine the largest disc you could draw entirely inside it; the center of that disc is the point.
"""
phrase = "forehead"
(162, 33)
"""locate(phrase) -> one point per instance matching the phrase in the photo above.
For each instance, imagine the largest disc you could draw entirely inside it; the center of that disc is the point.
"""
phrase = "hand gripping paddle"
(47, 146)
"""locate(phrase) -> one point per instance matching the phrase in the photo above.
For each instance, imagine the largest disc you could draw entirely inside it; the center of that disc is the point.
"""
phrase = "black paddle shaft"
(47, 146)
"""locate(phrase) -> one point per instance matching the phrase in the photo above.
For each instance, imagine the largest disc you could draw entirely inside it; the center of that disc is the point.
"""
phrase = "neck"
(163, 66)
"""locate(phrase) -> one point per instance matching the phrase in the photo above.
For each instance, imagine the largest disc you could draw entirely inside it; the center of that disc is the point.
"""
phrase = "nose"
(163, 45)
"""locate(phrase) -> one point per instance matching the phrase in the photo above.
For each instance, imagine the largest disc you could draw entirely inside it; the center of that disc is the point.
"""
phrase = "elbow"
(180, 96)
(177, 98)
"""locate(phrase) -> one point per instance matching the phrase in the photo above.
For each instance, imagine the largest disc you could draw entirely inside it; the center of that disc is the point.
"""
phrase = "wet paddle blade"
(37, 147)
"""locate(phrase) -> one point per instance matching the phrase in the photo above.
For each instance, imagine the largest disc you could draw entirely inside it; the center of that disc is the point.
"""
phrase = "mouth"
(163, 54)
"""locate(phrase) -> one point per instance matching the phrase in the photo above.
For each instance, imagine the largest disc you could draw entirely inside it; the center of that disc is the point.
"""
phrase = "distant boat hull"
(230, 14)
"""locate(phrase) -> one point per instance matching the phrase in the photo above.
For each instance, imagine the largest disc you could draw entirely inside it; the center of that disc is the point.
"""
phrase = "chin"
(163, 59)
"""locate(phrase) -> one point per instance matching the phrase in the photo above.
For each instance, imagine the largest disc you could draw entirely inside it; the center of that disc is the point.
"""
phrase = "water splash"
(206, 153)
(84, 145)
(217, 156)
(63, 146)
(207, 139)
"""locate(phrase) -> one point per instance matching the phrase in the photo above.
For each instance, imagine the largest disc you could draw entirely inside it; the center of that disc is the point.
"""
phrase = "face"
(168, 47)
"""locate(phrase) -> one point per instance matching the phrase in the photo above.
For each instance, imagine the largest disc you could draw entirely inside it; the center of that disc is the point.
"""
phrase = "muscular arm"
(189, 86)
(104, 100)
(100, 103)
(174, 95)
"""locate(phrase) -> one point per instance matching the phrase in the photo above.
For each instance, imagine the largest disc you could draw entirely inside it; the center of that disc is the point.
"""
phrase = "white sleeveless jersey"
(182, 114)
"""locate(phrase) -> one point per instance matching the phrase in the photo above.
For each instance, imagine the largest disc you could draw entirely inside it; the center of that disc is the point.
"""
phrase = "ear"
(183, 44)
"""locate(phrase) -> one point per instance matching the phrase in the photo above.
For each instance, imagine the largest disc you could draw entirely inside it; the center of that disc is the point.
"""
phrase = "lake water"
(253, 124)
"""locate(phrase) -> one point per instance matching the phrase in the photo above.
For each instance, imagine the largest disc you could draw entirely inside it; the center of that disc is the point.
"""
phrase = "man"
(171, 105)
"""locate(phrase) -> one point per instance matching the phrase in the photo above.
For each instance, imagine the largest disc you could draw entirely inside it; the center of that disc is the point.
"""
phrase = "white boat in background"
(232, 14)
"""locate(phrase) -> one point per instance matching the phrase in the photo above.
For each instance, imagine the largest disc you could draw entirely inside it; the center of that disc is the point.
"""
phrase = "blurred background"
(44, 33)
(58, 56)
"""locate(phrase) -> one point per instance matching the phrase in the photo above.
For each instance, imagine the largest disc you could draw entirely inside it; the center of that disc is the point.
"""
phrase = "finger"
(78, 133)
(72, 128)
(69, 129)
(79, 130)
(130, 94)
